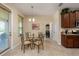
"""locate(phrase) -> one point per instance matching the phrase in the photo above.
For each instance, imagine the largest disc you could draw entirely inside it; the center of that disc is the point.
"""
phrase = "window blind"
(4, 15)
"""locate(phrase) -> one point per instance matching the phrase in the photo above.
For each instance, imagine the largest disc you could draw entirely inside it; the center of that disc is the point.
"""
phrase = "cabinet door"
(65, 20)
(69, 41)
(77, 14)
(76, 42)
(63, 40)
(62, 21)
(72, 20)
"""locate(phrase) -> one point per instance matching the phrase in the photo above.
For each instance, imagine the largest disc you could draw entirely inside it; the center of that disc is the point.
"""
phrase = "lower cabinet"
(63, 41)
(76, 42)
(70, 41)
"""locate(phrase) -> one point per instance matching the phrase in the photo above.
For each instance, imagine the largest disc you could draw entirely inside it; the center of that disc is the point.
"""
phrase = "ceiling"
(70, 5)
(41, 8)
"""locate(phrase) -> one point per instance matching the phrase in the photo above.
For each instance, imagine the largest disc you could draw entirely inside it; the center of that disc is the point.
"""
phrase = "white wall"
(57, 27)
(15, 39)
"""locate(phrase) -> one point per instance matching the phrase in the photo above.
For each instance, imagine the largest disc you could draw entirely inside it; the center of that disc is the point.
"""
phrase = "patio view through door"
(4, 30)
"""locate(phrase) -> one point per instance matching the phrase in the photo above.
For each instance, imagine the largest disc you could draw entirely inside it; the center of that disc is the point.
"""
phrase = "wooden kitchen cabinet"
(63, 40)
(65, 20)
(70, 41)
(72, 20)
(76, 42)
(77, 15)
(68, 20)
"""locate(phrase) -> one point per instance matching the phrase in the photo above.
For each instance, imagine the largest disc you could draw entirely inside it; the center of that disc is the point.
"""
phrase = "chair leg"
(23, 49)
(38, 48)
(31, 46)
(42, 46)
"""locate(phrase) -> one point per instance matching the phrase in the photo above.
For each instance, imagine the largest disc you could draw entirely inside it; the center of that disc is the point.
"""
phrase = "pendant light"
(32, 19)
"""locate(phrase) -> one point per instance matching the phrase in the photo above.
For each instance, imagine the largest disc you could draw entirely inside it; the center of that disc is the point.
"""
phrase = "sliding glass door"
(4, 30)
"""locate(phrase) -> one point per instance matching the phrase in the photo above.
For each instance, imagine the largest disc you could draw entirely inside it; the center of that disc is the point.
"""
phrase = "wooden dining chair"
(27, 35)
(24, 43)
(39, 42)
(41, 37)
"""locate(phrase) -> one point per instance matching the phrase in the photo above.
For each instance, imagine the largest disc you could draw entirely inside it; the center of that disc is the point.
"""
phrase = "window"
(20, 29)
(2, 26)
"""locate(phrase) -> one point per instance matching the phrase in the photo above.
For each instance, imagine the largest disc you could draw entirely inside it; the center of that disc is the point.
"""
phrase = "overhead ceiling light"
(33, 19)
(29, 19)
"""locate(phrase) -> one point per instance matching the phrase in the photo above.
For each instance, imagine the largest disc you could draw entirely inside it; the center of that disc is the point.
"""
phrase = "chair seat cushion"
(37, 42)
(27, 42)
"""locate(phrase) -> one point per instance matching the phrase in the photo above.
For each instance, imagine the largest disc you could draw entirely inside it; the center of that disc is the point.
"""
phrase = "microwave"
(77, 23)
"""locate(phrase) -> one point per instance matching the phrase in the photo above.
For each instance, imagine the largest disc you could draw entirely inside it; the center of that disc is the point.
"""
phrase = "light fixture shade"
(29, 19)
(33, 19)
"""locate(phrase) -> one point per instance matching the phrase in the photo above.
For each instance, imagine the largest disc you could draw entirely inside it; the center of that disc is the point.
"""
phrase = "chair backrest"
(41, 36)
(22, 38)
(27, 35)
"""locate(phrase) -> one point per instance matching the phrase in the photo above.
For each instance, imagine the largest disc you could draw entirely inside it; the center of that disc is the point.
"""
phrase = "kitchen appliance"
(77, 31)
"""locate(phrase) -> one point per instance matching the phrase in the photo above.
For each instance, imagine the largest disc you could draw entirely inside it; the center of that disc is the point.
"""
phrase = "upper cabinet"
(65, 20)
(72, 20)
(77, 14)
(68, 19)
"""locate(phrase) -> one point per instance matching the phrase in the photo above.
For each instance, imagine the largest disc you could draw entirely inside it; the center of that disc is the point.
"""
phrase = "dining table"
(33, 39)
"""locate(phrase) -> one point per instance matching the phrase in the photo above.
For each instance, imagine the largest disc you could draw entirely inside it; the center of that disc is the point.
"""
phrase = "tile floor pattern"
(51, 48)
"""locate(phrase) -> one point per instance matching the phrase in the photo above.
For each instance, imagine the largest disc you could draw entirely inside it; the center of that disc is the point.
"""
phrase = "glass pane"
(20, 28)
(4, 30)
(4, 38)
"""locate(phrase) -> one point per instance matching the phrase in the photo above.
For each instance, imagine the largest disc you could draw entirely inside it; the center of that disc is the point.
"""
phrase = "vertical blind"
(4, 15)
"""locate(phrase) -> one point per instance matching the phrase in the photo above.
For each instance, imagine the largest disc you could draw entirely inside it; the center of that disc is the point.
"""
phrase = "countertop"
(69, 34)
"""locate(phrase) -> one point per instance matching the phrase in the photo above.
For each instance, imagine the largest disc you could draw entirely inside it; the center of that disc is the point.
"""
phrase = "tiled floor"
(51, 48)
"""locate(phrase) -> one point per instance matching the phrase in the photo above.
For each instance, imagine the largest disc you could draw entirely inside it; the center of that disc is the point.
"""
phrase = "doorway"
(47, 31)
